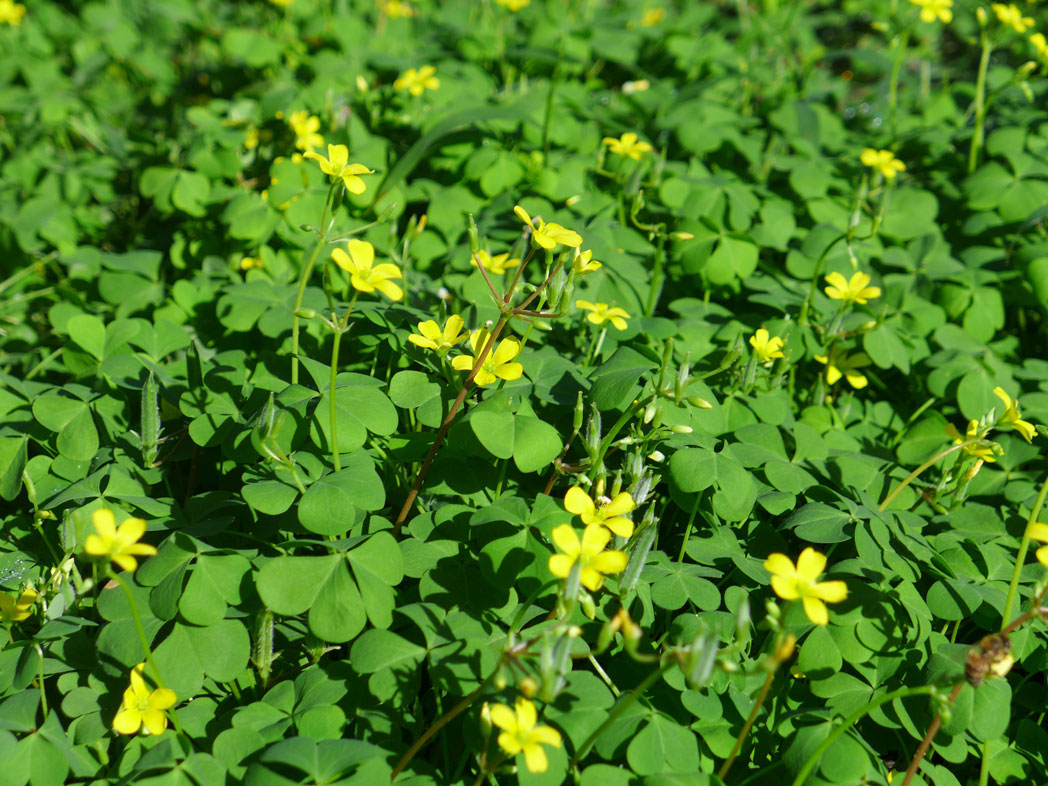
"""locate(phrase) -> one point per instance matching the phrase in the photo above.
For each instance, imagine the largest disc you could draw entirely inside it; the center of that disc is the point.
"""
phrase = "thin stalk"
(930, 462)
(980, 104)
(1020, 558)
(850, 721)
(441, 722)
(336, 459)
(933, 729)
(303, 280)
(893, 84)
(618, 709)
(723, 771)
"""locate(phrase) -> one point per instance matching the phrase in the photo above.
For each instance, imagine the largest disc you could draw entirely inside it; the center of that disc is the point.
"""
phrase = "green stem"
(913, 475)
(620, 708)
(1020, 558)
(893, 84)
(144, 641)
(336, 459)
(980, 104)
(303, 280)
(723, 772)
(850, 721)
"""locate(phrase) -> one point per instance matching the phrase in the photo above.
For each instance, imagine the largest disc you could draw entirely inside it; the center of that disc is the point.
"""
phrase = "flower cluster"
(765, 347)
(602, 312)
(337, 165)
(306, 128)
(883, 161)
(11, 13)
(1011, 16)
(839, 364)
(418, 81)
(590, 552)
(628, 146)
(935, 9)
(498, 363)
(853, 290)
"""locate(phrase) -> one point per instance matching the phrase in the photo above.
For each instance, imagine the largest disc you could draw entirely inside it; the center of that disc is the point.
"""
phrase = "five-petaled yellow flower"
(119, 544)
(497, 364)
(494, 264)
(601, 313)
(791, 583)
(514, 6)
(417, 82)
(884, 161)
(306, 127)
(1011, 418)
(143, 707)
(846, 366)
(979, 450)
(337, 165)
(854, 290)
(765, 347)
(521, 735)
(1039, 531)
(935, 9)
(611, 514)
(584, 263)
(11, 12)
(652, 17)
(589, 553)
(548, 235)
(16, 609)
(1011, 15)
(628, 145)
(364, 274)
(433, 337)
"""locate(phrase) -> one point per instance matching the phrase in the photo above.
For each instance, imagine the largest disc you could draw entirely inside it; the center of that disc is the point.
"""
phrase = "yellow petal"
(343, 261)
(779, 565)
(784, 587)
(131, 531)
(816, 610)
(594, 539)
(1038, 531)
(623, 503)
(389, 289)
(567, 540)
(610, 562)
(162, 699)
(560, 565)
(509, 371)
(578, 501)
(127, 722)
(1042, 555)
(95, 546)
(547, 735)
(503, 717)
(155, 721)
(463, 363)
(591, 578)
(535, 758)
(507, 349)
(811, 564)
(362, 253)
(509, 743)
(620, 525)
(831, 591)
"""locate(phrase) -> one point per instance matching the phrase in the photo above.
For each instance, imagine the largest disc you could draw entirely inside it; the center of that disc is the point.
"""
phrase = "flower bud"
(474, 237)
(485, 720)
(785, 649)
(649, 413)
(681, 429)
(701, 403)
(980, 14)
(529, 687)
(587, 604)
(682, 236)
(362, 83)
(306, 313)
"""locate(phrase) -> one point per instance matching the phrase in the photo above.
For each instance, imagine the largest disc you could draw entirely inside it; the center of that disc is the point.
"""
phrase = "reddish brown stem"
(933, 729)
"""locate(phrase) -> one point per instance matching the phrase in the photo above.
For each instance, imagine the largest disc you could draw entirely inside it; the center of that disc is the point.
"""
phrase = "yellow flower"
(549, 235)
(521, 735)
(397, 9)
(853, 290)
(119, 544)
(884, 161)
(791, 583)
(16, 610)
(1040, 43)
(432, 337)
(250, 141)
(497, 364)
(249, 262)
(589, 553)
(1011, 15)
(1039, 532)
(364, 274)
(628, 145)
(143, 707)
(417, 82)
(11, 12)
(601, 313)
(1010, 417)
(305, 127)
(846, 366)
(765, 347)
(494, 264)
(584, 263)
(935, 9)
(514, 6)
(610, 514)
(337, 165)
(652, 17)
(984, 452)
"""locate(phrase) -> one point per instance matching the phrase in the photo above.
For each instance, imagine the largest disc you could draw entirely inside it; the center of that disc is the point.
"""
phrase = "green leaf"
(213, 586)
(71, 419)
(189, 653)
(992, 709)
(615, 382)
(13, 456)
(376, 650)
(817, 522)
(329, 505)
(89, 333)
(661, 746)
(358, 409)
(535, 443)
(410, 389)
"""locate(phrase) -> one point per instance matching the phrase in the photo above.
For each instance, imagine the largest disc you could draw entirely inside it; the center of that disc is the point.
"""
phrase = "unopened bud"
(529, 687)
(785, 649)
(657, 456)
(980, 14)
(421, 226)
(701, 403)
(362, 84)
(485, 720)
(474, 237)
(649, 413)
(681, 429)
(306, 313)
(587, 604)
(682, 236)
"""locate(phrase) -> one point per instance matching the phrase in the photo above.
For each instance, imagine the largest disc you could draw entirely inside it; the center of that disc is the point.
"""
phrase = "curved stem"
(303, 280)
(441, 722)
(723, 771)
(850, 721)
(1020, 558)
(930, 462)
(618, 709)
(933, 729)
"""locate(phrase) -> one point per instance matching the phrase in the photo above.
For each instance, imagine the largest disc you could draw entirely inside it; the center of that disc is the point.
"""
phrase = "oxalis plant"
(523, 392)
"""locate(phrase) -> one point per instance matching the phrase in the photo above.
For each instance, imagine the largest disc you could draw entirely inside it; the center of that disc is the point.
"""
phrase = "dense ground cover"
(564, 391)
